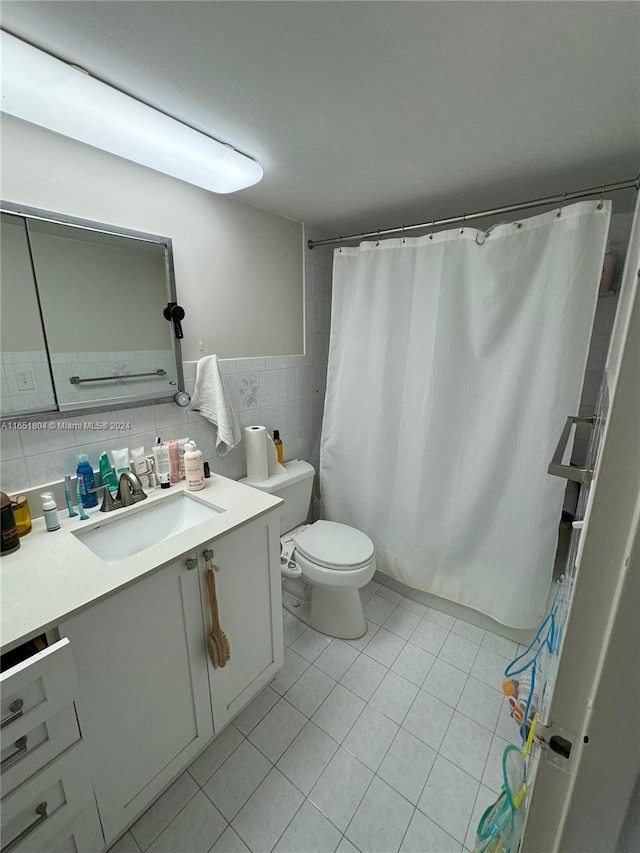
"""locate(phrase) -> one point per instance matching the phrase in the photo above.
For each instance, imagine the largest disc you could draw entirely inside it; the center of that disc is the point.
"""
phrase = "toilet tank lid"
(297, 469)
(334, 544)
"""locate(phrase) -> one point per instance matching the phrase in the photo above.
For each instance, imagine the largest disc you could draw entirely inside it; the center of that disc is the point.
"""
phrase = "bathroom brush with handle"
(217, 641)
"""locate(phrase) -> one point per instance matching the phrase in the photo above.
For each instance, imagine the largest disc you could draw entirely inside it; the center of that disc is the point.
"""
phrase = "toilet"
(323, 564)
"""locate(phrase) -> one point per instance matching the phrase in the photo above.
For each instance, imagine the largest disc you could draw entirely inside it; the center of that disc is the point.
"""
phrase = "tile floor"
(387, 743)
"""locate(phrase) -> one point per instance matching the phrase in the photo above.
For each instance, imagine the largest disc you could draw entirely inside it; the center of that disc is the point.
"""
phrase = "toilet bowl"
(335, 562)
(324, 564)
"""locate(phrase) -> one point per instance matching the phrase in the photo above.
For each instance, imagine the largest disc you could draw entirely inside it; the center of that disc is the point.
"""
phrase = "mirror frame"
(90, 225)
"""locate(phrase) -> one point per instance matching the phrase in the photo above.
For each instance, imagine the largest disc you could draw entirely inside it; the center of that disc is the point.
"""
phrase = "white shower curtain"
(452, 369)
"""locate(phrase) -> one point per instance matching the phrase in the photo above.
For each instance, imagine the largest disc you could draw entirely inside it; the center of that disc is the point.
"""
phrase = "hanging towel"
(211, 400)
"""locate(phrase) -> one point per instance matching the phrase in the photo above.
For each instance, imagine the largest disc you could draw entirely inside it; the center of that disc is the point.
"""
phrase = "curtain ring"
(433, 224)
(378, 240)
(601, 204)
(403, 239)
(559, 213)
(464, 216)
(484, 236)
(340, 244)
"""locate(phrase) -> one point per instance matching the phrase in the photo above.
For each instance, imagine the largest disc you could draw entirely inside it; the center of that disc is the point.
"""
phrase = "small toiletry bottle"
(279, 448)
(174, 460)
(193, 467)
(165, 480)
(21, 514)
(50, 511)
(10, 540)
(88, 481)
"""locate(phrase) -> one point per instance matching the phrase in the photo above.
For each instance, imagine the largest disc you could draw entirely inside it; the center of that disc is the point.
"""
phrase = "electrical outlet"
(24, 378)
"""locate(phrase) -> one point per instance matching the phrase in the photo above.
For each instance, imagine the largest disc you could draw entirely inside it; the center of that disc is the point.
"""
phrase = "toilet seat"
(334, 546)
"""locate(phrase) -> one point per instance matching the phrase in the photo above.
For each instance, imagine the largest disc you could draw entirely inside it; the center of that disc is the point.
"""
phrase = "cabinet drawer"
(40, 809)
(37, 747)
(35, 690)
(82, 835)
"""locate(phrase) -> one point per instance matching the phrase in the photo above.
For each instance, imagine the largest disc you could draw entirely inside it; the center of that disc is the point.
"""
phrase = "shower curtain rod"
(467, 217)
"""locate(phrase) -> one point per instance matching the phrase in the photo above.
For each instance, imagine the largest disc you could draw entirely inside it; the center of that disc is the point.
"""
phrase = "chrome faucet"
(130, 489)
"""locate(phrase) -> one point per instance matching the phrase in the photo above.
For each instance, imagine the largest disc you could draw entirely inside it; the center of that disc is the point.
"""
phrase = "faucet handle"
(130, 489)
(109, 503)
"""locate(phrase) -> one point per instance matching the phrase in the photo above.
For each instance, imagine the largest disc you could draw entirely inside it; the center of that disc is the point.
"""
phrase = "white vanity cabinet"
(249, 594)
(144, 702)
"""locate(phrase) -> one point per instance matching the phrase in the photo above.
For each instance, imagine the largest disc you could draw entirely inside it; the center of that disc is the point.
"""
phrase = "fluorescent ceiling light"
(43, 90)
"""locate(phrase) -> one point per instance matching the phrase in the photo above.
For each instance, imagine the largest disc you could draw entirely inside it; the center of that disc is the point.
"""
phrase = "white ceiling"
(373, 114)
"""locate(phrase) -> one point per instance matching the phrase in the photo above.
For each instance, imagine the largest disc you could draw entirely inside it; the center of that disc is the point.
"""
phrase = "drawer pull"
(191, 563)
(20, 749)
(208, 554)
(16, 711)
(41, 811)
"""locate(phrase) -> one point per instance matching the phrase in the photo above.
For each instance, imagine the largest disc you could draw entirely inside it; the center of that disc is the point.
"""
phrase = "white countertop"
(54, 575)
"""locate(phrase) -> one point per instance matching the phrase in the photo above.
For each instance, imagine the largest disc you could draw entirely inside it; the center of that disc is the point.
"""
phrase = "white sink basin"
(115, 539)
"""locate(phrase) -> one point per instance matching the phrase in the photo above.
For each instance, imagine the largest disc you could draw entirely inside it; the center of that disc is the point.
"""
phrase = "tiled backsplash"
(281, 392)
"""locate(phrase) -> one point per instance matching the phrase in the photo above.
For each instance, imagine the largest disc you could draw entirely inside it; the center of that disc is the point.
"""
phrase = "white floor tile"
(428, 719)
(306, 759)
(338, 712)
(346, 846)
(231, 786)
(381, 819)
(336, 659)
(506, 727)
(402, 622)
(206, 764)
(493, 776)
(390, 594)
(425, 836)
(310, 691)
(363, 676)
(481, 703)
(156, 818)
(338, 792)
(256, 710)
(384, 647)
(370, 737)
(310, 644)
(489, 667)
(441, 618)
(445, 682)
(459, 652)
(361, 642)
(230, 842)
(449, 797)
(413, 663)
(277, 730)
(407, 764)
(268, 812)
(195, 828)
(292, 628)
(470, 632)
(415, 607)
(504, 647)
(394, 696)
(294, 666)
(429, 636)
(466, 744)
(378, 609)
(309, 831)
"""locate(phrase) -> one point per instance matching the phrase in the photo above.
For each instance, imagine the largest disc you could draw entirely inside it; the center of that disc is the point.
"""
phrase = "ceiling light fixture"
(40, 89)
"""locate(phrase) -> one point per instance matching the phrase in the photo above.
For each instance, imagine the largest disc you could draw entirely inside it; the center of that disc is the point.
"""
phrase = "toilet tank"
(294, 488)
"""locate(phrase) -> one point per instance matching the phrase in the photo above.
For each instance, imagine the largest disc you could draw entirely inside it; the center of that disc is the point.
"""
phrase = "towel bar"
(569, 472)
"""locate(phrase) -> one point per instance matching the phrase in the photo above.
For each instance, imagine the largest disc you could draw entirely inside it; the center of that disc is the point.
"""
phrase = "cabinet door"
(249, 594)
(143, 707)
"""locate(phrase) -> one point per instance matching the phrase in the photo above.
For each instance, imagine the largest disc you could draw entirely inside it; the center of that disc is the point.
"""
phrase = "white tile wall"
(280, 392)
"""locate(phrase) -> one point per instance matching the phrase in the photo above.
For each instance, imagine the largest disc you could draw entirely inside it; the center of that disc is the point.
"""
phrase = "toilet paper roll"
(256, 450)
(262, 457)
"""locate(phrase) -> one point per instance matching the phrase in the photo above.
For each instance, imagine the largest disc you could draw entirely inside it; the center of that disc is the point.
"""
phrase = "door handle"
(568, 472)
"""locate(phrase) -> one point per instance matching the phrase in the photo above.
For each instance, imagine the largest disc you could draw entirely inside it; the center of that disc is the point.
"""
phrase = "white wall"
(238, 268)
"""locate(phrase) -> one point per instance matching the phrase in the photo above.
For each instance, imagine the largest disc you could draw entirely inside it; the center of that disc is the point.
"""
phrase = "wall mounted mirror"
(82, 325)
